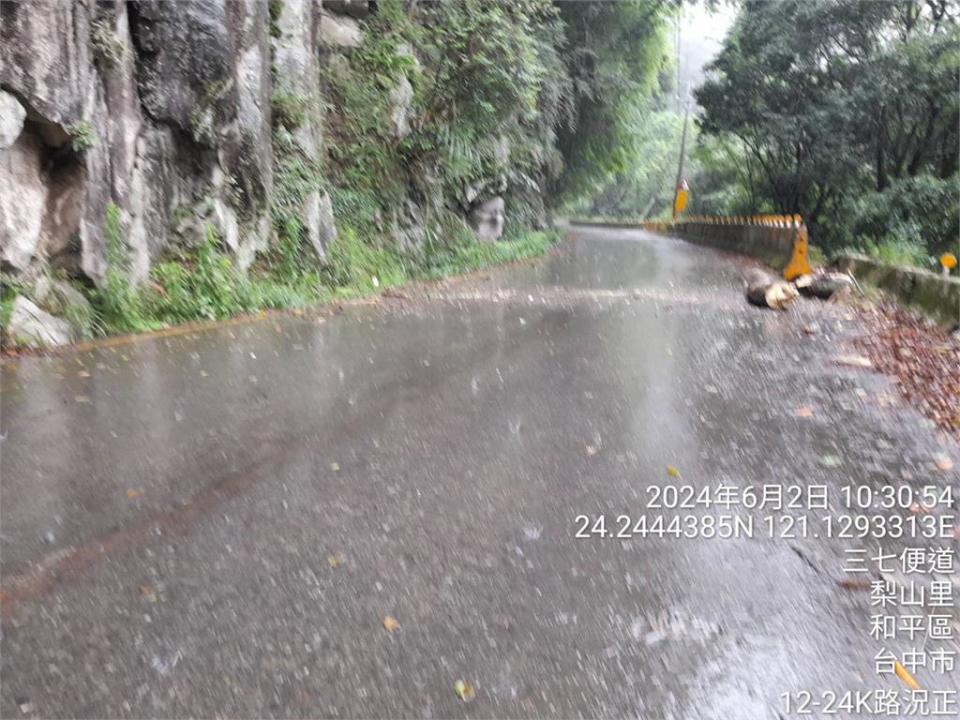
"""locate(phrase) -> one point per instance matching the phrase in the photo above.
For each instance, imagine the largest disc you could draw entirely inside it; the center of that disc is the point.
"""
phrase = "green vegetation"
(275, 8)
(117, 301)
(913, 221)
(82, 137)
(469, 256)
(357, 267)
(516, 98)
(289, 109)
(845, 112)
(108, 48)
(895, 251)
(204, 283)
(296, 176)
(83, 321)
(643, 187)
(617, 60)
(10, 288)
(201, 285)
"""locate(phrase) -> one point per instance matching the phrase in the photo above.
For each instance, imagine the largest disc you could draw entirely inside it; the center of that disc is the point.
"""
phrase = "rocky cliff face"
(183, 115)
(163, 109)
(151, 106)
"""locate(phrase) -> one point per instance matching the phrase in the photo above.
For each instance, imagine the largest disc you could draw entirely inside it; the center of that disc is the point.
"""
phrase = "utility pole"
(682, 98)
(683, 152)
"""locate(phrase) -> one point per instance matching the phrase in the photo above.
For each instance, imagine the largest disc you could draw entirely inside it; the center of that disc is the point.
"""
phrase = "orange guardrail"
(794, 266)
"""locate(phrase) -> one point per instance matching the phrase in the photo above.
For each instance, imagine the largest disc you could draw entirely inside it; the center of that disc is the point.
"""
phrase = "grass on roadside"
(470, 256)
(898, 252)
(205, 284)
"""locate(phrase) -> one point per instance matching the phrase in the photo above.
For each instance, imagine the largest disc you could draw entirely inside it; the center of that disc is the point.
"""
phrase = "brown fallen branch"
(764, 290)
(856, 583)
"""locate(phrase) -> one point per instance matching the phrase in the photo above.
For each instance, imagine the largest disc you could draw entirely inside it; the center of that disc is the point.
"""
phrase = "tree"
(615, 53)
(833, 99)
(909, 94)
(643, 187)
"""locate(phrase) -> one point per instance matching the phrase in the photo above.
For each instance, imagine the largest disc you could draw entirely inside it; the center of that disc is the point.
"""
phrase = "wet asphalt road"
(217, 523)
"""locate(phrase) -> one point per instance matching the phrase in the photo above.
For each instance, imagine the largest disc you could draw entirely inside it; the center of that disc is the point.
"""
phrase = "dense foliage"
(532, 99)
(643, 185)
(617, 55)
(487, 89)
(846, 112)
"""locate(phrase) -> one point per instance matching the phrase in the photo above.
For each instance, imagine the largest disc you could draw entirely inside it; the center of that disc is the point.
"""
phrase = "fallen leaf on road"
(804, 411)
(464, 690)
(591, 450)
(907, 678)
(83, 373)
(943, 462)
(147, 593)
(334, 560)
(335, 466)
(831, 461)
(672, 471)
(390, 623)
(81, 398)
(853, 361)
(922, 357)
(855, 583)
(133, 494)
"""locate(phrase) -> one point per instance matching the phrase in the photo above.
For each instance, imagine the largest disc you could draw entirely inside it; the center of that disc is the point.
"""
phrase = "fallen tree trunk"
(764, 290)
(824, 285)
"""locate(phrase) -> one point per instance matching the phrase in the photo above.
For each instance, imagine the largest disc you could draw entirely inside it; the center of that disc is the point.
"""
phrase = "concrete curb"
(936, 295)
